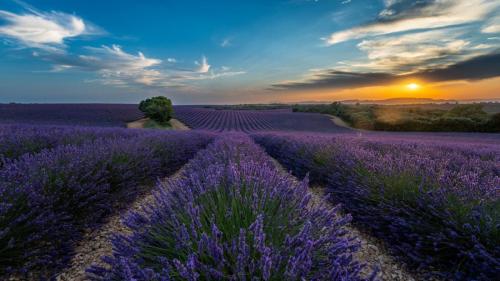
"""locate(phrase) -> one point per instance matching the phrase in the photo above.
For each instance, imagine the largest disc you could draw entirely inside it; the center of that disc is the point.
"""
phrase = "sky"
(225, 52)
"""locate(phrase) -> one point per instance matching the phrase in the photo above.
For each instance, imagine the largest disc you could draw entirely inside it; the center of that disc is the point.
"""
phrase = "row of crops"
(57, 182)
(102, 115)
(436, 204)
(253, 120)
(233, 214)
(118, 115)
(223, 120)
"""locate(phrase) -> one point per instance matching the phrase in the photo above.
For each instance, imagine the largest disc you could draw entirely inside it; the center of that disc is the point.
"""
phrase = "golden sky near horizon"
(460, 90)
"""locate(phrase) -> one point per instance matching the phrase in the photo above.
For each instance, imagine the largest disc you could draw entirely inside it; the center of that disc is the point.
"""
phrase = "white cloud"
(43, 30)
(48, 32)
(204, 67)
(113, 64)
(437, 14)
(492, 25)
(116, 67)
(415, 52)
(437, 39)
(412, 51)
(114, 57)
(225, 43)
(494, 28)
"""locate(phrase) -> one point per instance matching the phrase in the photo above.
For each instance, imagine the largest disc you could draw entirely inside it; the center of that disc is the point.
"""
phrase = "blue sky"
(236, 51)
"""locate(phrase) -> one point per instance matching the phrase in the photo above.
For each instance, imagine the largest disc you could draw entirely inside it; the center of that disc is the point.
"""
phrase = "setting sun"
(413, 86)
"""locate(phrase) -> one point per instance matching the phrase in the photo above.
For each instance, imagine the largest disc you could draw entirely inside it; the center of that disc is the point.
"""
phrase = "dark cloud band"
(477, 68)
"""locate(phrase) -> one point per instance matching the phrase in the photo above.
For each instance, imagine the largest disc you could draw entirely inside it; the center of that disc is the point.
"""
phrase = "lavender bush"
(232, 215)
(16, 140)
(435, 203)
(48, 198)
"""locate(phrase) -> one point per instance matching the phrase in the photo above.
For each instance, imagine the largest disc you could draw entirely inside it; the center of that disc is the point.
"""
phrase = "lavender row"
(49, 198)
(108, 115)
(253, 120)
(232, 215)
(436, 204)
(222, 120)
(16, 140)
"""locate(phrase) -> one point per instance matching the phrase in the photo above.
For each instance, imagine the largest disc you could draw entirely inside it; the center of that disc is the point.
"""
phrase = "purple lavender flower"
(47, 199)
(271, 232)
(254, 120)
(434, 200)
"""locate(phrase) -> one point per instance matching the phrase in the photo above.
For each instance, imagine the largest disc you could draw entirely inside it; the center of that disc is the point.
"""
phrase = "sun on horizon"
(413, 86)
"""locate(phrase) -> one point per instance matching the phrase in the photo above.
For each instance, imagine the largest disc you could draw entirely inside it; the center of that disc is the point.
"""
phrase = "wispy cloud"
(413, 39)
(416, 51)
(48, 33)
(203, 66)
(492, 25)
(226, 42)
(116, 67)
(44, 30)
(406, 15)
(113, 64)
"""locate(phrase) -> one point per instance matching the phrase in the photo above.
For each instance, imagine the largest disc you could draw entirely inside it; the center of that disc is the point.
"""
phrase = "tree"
(472, 111)
(493, 124)
(158, 109)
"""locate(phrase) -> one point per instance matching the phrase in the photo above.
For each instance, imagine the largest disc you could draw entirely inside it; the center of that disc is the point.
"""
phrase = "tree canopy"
(157, 108)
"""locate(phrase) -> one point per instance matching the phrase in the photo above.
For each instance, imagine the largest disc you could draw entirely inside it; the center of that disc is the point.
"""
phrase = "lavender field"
(102, 115)
(283, 140)
(216, 202)
(195, 117)
(254, 120)
(435, 202)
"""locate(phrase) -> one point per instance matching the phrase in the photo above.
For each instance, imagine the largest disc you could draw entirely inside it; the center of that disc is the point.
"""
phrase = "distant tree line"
(461, 118)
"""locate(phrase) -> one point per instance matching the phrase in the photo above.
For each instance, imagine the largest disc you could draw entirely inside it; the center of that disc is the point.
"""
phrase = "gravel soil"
(373, 253)
(97, 244)
(176, 124)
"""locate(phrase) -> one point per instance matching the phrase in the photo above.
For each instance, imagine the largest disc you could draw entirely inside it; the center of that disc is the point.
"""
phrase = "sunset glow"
(413, 86)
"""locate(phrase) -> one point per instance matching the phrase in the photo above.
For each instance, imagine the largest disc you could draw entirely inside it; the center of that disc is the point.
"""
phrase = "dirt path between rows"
(339, 122)
(140, 124)
(178, 125)
(97, 244)
(372, 251)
